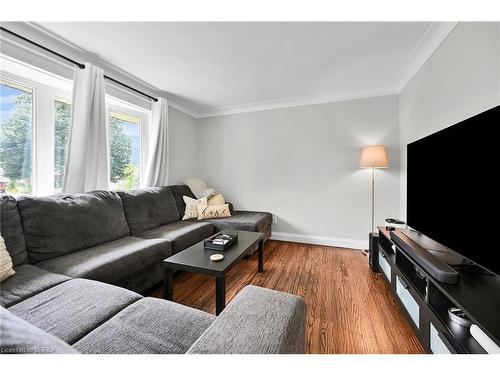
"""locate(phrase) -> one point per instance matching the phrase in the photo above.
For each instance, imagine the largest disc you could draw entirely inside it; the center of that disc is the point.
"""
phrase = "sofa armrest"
(257, 321)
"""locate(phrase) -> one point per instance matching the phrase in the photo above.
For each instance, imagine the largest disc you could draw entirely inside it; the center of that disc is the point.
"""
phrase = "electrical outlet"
(275, 219)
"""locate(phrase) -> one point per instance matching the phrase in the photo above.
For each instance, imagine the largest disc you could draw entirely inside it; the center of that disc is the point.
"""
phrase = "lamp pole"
(373, 199)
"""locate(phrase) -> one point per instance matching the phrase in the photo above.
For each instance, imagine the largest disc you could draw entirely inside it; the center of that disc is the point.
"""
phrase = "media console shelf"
(426, 301)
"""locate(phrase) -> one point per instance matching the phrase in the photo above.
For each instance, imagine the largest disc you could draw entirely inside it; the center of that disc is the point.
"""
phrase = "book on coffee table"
(221, 241)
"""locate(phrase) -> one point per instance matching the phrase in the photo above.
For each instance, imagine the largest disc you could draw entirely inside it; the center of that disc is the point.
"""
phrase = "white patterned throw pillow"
(199, 188)
(192, 204)
(6, 261)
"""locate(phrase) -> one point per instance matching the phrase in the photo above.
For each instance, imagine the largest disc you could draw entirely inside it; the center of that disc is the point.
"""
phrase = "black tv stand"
(425, 300)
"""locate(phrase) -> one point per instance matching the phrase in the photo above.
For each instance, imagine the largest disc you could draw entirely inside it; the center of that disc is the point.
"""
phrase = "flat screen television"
(452, 189)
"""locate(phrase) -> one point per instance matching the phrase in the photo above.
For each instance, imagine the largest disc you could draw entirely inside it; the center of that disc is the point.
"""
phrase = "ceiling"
(217, 67)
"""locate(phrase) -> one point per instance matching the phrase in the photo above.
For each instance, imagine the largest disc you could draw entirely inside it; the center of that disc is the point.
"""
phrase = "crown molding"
(295, 102)
(179, 105)
(432, 39)
(430, 42)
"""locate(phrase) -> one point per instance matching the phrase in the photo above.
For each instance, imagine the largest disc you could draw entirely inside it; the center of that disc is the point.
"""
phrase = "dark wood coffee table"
(196, 259)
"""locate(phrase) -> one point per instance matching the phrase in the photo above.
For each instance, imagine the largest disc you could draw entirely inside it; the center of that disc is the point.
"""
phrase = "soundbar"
(425, 259)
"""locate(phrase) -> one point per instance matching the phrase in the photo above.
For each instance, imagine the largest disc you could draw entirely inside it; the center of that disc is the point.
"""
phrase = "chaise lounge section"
(90, 317)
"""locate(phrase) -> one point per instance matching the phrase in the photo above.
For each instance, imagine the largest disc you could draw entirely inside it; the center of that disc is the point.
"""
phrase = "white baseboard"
(320, 240)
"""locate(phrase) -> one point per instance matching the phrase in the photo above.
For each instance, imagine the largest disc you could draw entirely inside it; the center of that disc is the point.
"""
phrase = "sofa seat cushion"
(150, 325)
(244, 220)
(257, 321)
(181, 234)
(112, 262)
(149, 208)
(74, 308)
(62, 224)
(26, 282)
(19, 337)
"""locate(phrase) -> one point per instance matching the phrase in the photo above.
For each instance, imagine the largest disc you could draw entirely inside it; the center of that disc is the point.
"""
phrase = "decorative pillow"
(191, 207)
(5, 262)
(199, 188)
(216, 200)
(209, 212)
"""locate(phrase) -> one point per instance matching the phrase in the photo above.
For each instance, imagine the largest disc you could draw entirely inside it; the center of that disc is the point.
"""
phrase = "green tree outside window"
(15, 144)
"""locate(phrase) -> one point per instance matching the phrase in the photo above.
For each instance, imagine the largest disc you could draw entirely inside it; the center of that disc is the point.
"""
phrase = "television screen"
(452, 189)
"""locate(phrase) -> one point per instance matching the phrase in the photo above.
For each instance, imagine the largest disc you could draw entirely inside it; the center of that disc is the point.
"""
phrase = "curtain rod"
(79, 64)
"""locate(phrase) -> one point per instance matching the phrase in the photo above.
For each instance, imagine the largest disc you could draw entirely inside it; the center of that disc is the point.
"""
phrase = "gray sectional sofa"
(81, 260)
(118, 238)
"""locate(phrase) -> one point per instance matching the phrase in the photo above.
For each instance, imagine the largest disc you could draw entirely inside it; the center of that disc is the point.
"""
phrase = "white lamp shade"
(374, 157)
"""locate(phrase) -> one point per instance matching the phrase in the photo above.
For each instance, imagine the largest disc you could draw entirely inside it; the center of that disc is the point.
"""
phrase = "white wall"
(301, 164)
(182, 146)
(461, 79)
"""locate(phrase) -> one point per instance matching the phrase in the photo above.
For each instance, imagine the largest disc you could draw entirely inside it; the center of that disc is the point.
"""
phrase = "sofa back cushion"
(179, 191)
(149, 208)
(11, 229)
(62, 224)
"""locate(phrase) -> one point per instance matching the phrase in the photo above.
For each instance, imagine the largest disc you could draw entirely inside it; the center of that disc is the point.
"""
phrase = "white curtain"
(157, 164)
(87, 162)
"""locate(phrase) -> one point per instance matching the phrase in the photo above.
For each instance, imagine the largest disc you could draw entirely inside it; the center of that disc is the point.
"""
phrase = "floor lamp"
(374, 157)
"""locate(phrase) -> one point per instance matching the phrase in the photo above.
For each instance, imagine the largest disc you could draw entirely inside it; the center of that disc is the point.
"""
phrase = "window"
(125, 153)
(62, 116)
(128, 127)
(34, 132)
(41, 100)
(16, 138)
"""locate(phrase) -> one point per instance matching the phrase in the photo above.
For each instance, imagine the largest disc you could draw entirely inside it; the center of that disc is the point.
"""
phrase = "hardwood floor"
(350, 309)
